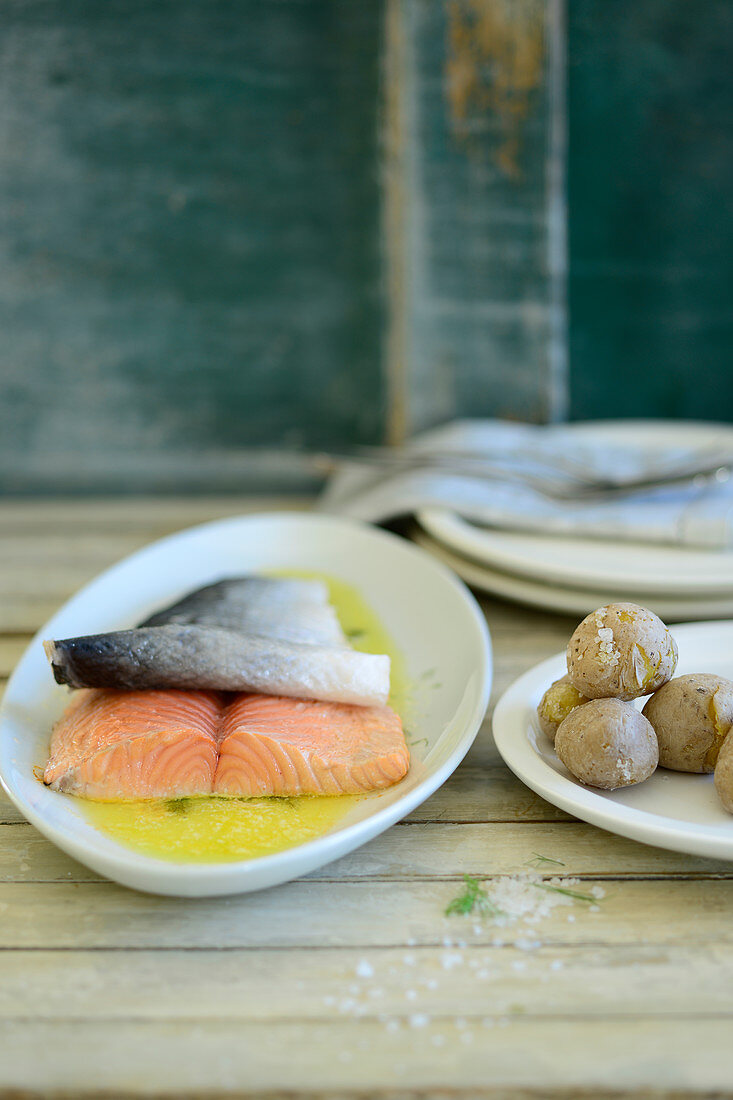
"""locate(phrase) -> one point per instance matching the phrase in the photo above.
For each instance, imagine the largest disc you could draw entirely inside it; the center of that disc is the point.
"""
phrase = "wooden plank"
(179, 1057)
(325, 983)
(651, 234)
(484, 322)
(312, 913)
(11, 650)
(70, 516)
(427, 851)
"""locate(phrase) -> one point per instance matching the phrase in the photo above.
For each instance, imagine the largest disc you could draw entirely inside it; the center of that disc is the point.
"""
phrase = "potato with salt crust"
(691, 716)
(723, 778)
(555, 705)
(621, 651)
(607, 743)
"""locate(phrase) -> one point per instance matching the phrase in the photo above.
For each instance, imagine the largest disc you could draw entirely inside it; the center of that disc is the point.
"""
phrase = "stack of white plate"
(576, 575)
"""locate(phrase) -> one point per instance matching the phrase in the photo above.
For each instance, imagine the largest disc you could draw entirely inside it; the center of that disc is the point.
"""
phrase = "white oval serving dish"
(433, 619)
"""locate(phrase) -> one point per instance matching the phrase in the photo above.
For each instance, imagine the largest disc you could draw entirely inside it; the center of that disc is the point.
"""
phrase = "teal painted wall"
(228, 224)
(650, 196)
(190, 252)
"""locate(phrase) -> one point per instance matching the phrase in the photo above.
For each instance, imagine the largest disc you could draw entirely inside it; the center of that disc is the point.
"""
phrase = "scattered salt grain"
(449, 960)
(556, 964)
(527, 945)
(408, 960)
(365, 969)
(411, 994)
(418, 1020)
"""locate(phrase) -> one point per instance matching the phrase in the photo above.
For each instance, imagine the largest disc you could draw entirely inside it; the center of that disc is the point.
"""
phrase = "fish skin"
(292, 609)
(211, 658)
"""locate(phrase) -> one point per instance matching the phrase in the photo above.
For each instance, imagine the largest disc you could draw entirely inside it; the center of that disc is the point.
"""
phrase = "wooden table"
(352, 982)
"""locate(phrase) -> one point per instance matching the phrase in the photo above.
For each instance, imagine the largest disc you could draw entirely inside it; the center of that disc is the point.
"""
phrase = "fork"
(553, 476)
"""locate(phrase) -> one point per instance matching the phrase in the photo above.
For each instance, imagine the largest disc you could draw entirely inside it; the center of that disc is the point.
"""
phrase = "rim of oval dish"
(144, 872)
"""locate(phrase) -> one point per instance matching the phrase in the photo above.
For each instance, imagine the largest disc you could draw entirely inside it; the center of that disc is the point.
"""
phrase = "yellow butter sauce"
(211, 829)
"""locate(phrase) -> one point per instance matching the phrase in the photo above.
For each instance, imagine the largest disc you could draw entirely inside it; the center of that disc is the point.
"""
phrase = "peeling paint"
(495, 60)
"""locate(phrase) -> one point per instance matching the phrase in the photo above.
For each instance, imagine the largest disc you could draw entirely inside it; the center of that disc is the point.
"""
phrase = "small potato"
(607, 743)
(621, 651)
(556, 704)
(691, 716)
(723, 778)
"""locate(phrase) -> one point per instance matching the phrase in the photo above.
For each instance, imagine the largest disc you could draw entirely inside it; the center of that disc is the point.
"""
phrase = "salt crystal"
(365, 969)
(526, 945)
(411, 994)
(448, 961)
(418, 1020)
(556, 964)
(408, 960)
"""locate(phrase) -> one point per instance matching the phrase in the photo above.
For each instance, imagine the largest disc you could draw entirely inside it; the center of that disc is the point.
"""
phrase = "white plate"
(433, 619)
(671, 809)
(576, 601)
(601, 563)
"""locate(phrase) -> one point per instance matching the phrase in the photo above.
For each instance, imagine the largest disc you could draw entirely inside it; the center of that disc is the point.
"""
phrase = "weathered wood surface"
(479, 171)
(352, 981)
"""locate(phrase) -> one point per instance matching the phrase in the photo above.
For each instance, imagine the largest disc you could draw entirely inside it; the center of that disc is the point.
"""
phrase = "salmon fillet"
(118, 745)
(272, 745)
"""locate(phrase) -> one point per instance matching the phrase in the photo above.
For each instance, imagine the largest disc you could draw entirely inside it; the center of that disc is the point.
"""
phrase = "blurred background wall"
(298, 224)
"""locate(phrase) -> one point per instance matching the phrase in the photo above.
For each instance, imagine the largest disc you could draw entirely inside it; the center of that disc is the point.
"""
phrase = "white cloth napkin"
(698, 515)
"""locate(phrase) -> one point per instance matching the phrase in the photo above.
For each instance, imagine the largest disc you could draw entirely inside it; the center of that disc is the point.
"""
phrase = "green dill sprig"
(420, 741)
(564, 890)
(178, 805)
(538, 859)
(473, 898)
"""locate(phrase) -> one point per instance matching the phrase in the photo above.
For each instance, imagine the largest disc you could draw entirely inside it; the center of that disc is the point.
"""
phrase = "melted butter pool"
(213, 829)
